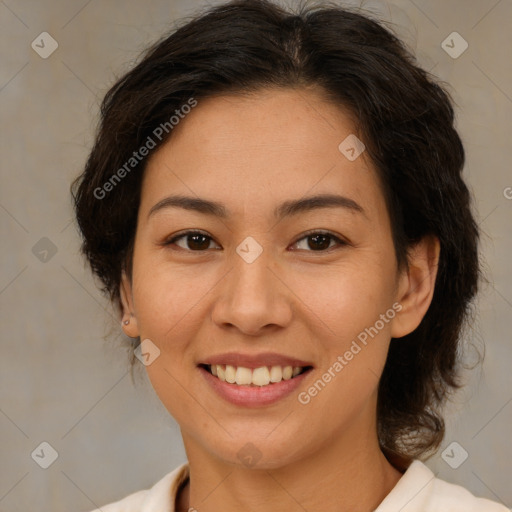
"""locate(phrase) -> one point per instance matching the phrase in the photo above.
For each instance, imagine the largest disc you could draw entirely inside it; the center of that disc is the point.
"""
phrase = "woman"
(275, 203)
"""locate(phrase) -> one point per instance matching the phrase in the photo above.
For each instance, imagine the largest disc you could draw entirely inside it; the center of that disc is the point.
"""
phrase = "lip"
(255, 360)
(253, 396)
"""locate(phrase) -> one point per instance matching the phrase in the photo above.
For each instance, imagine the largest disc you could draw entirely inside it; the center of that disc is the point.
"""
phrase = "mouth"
(254, 377)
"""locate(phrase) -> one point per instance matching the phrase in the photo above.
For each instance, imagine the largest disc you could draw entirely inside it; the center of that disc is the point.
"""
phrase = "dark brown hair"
(406, 120)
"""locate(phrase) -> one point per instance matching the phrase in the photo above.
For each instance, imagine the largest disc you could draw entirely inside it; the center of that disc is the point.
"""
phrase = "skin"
(252, 152)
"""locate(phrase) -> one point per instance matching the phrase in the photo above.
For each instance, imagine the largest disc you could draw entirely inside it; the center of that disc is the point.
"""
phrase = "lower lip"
(253, 396)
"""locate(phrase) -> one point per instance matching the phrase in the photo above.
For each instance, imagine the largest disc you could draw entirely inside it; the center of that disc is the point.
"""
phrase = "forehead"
(252, 151)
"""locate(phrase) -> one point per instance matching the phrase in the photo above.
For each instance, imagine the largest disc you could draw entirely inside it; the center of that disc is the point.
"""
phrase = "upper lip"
(254, 361)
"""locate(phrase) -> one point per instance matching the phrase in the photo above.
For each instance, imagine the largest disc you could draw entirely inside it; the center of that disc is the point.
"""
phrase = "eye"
(195, 240)
(319, 241)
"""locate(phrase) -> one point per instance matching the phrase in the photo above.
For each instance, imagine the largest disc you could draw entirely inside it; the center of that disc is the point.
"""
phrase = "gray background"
(62, 382)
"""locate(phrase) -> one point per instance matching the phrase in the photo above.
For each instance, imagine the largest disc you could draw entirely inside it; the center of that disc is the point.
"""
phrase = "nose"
(252, 298)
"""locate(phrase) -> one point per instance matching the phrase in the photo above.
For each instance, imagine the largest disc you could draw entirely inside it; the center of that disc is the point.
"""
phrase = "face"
(267, 284)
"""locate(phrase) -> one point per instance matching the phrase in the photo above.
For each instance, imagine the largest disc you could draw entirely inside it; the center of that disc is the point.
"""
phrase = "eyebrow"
(285, 209)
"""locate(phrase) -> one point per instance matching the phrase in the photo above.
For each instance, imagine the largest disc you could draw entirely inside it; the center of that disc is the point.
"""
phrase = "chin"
(253, 452)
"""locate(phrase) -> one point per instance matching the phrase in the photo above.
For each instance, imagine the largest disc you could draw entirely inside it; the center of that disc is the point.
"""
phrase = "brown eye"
(319, 241)
(194, 241)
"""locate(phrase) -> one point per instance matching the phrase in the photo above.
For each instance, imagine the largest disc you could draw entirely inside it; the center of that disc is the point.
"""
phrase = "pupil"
(199, 245)
(324, 245)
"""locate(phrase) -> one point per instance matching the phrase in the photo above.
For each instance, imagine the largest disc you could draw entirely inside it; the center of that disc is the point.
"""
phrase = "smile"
(262, 376)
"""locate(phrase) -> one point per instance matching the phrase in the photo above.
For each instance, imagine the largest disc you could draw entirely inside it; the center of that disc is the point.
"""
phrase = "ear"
(131, 329)
(416, 285)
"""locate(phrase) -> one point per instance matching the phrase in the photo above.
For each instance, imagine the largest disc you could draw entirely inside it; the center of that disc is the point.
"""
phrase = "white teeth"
(230, 374)
(261, 376)
(276, 374)
(243, 376)
(287, 372)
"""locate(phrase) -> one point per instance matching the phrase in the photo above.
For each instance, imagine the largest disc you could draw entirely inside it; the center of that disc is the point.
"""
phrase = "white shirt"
(418, 490)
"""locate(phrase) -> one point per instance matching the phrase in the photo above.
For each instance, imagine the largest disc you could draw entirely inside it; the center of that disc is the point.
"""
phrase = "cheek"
(171, 387)
(167, 296)
(347, 298)
(356, 310)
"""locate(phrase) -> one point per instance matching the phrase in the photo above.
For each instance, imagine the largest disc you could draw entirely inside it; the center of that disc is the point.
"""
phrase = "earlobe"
(129, 322)
(416, 285)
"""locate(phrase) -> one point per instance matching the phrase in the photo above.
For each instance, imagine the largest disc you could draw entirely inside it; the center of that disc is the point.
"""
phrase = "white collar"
(418, 490)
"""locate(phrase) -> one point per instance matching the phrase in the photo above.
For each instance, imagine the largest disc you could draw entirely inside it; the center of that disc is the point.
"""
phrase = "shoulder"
(420, 491)
(447, 496)
(159, 497)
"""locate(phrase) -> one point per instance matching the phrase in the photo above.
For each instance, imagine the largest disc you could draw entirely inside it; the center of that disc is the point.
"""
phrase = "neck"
(350, 473)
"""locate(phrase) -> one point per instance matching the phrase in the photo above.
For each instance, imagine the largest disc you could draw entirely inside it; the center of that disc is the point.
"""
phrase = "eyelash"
(308, 234)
